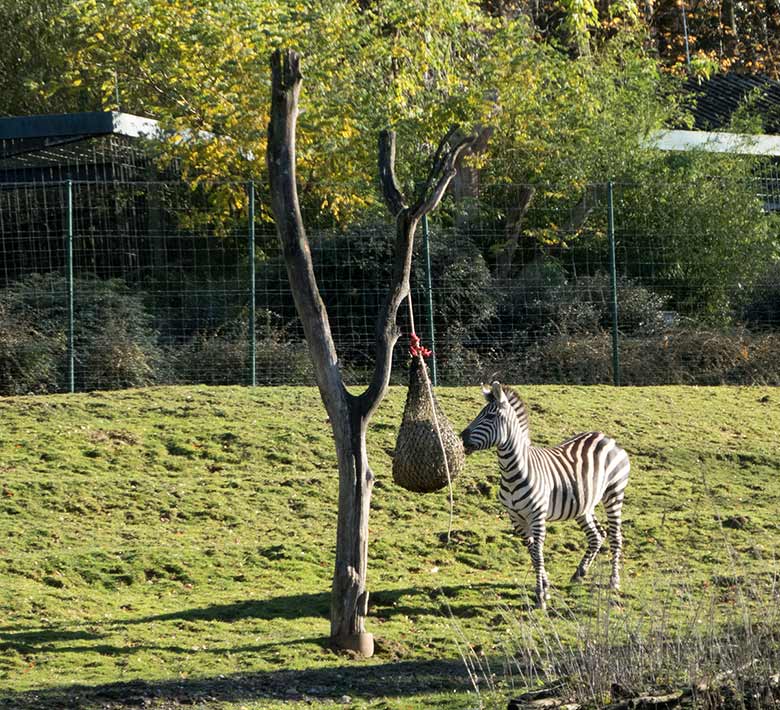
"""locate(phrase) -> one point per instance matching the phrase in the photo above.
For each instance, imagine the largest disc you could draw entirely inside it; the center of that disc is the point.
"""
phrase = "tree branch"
(387, 332)
(442, 173)
(406, 219)
(285, 88)
(439, 157)
(392, 194)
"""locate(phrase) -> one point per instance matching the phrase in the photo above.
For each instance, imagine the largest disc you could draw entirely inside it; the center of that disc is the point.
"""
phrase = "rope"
(417, 350)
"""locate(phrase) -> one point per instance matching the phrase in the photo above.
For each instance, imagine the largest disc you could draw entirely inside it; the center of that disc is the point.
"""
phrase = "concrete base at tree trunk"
(361, 643)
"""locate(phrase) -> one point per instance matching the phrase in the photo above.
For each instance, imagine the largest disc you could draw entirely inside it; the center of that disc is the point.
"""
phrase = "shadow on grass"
(382, 603)
(394, 679)
(41, 636)
(294, 606)
(388, 677)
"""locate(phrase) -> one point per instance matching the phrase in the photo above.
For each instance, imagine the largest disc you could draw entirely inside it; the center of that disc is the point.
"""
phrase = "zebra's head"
(491, 425)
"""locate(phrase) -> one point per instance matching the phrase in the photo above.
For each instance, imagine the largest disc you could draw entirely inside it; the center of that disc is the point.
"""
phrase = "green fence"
(125, 284)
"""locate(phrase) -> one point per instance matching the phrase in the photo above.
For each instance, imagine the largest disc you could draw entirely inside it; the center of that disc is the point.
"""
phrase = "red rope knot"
(416, 349)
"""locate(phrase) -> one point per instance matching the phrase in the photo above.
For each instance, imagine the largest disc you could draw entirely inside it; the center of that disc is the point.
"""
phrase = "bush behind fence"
(162, 289)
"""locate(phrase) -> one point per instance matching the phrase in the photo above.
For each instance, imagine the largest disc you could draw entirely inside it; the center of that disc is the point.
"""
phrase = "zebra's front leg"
(524, 531)
(538, 531)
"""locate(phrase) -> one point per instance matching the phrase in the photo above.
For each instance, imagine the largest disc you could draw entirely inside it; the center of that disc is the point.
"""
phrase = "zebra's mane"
(518, 405)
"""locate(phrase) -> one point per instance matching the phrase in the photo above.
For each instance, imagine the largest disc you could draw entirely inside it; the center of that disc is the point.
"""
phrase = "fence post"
(71, 308)
(429, 289)
(252, 288)
(613, 283)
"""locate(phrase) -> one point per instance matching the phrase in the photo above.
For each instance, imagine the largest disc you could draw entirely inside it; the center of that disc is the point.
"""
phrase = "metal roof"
(78, 125)
(43, 137)
(735, 143)
(715, 101)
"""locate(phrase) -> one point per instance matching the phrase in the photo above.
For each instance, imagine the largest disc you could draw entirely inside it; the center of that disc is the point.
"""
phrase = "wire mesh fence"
(123, 284)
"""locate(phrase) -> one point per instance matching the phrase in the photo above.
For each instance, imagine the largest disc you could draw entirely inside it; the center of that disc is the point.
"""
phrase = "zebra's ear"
(487, 393)
(498, 392)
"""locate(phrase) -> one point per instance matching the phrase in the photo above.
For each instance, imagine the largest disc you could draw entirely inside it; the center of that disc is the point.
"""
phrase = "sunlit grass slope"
(176, 544)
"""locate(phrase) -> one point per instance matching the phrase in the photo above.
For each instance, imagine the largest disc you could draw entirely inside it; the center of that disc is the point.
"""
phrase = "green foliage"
(205, 68)
(464, 296)
(760, 305)
(417, 67)
(560, 123)
(566, 123)
(580, 16)
(34, 41)
(696, 229)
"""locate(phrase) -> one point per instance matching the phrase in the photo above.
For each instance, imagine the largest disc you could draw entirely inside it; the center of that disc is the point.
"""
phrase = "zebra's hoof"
(576, 578)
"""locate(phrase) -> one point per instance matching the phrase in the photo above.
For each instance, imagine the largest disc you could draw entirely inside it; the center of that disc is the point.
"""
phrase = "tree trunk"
(648, 11)
(349, 415)
(514, 226)
(731, 13)
(349, 593)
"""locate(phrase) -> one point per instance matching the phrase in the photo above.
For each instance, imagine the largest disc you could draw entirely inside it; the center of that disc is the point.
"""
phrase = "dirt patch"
(113, 436)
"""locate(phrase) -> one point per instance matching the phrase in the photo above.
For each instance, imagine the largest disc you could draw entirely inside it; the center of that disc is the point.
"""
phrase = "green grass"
(176, 544)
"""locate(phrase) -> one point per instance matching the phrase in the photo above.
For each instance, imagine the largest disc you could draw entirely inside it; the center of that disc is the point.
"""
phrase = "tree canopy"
(415, 66)
(568, 88)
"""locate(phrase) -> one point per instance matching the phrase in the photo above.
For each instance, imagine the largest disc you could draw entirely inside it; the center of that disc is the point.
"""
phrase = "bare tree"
(349, 414)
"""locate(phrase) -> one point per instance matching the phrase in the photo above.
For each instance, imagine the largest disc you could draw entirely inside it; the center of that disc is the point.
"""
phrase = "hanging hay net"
(425, 438)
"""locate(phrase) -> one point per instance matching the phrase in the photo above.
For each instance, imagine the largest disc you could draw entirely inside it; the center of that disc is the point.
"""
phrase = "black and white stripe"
(560, 482)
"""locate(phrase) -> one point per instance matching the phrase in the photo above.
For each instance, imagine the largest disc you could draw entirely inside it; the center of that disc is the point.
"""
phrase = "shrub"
(353, 269)
(29, 359)
(461, 365)
(675, 233)
(684, 356)
(115, 344)
(761, 308)
(580, 360)
(221, 356)
(114, 358)
(544, 302)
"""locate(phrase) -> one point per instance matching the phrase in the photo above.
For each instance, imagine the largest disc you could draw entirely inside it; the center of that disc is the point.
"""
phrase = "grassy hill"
(175, 545)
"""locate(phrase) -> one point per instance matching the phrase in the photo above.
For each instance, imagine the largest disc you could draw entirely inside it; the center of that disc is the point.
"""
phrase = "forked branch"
(444, 168)
(391, 193)
(442, 171)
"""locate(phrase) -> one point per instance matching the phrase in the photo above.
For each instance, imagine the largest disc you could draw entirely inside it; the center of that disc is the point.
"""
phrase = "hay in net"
(418, 462)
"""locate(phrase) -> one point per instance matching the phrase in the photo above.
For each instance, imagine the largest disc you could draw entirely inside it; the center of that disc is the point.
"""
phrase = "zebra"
(552, 483)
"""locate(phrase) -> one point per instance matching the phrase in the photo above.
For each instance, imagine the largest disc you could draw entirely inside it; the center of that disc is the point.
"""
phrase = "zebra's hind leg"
(595, 539)
(615, 534)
